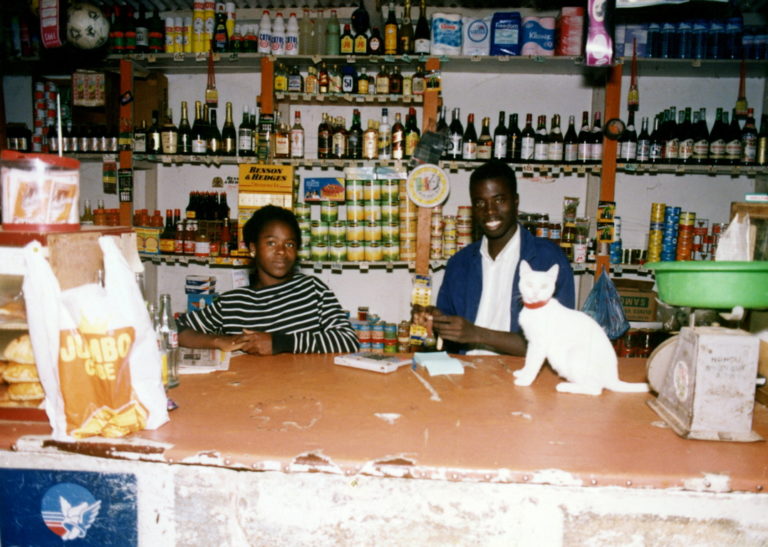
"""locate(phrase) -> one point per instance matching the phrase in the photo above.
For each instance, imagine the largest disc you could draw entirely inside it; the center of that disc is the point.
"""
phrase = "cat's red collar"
(535, 305)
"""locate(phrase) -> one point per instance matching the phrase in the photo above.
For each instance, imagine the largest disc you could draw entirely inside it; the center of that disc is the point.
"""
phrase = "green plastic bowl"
(712, 284)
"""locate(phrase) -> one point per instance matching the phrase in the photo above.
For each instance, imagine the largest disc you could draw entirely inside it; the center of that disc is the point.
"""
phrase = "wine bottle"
(656, 143)
(717, 139)
(339, 138)
(245, 135)
(398, 138)
(405, 36)
(485, 141)
(154, 142)
(584, 139)
(355, 138)
(455, 135)
(701, 138)
(749, 139)
(500, 139)
(571, 142)
(596, 141)
(169, 135)
(527, 140)
(412, 133)
(643, 143)
(733, 142)
(199, 132)
(297, 136)
(385, 136)
(469, 140)
(361, 23)
(324, 138)
(214, 134)
(185, 131)
(282, 134)
(514, 139)
(541, 140)
(555, 143)
(685, 138)
(422, 37)
(390, 31)
(228, 133)
(628, 140)
(762, 141)
(671, 140)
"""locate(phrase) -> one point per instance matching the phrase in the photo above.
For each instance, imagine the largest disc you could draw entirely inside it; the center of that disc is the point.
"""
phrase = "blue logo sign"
(68, 510)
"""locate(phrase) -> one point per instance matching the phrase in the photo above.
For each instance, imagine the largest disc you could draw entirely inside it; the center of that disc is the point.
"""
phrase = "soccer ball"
(87, 28)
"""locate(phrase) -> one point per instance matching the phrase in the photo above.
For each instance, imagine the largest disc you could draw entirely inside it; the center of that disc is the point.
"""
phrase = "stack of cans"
(656, 232)
(463, 226)
(669, 239)
(685, 236)
(449, 236)
(303, 212)
(408, 214)
(436, 233)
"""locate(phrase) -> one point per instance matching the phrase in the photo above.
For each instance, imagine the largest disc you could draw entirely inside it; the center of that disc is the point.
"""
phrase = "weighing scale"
(705, 377)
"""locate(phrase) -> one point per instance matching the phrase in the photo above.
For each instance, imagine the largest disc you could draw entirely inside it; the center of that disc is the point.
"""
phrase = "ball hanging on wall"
(87, 28)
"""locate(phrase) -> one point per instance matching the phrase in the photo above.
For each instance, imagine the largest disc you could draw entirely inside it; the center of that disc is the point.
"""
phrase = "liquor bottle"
(442, 129)
(514, 140)
(181, 232)
(154, 142)
(332, 35)
(527, 140)
(185, 131)
(225, 239)
(485, 141)
(375, 42)
(281, 78)
(396, 82)
(222, 211)
(700, 138)
(685, 138)
(87, 217)
(297, 136)
(671, 140)
(324, 138)
(295, 81)
(169, 135)
(596, 141)
(749, 140)
(628, 141)
(584, 139)
(398, 138)
(346, 42)
(733, 151)
(657, 143)
(418, 81)
(371, 142)
(499, 151)
(422, 37)
(168, 235)
(361, 23)
(643, 154)
(199, 132)
(762, 141)
(405, 34)
(412, 134)
(311, 83)
(571, 142)
(305, 33)
(214, 134)
(334, 79)
(139, 139)
(245, 135)
(363, 82)
(129, 29)
(220, 41)
(382, 81)
(385, 136)
(390, 31)
(169, 336)
(469, 140)
(282, 133)
(455, 136)
(142, 31)
(322, 79)
(541, 140)
(156, 29)
(556, 142)
(355, 137)
(717, 139)
(339, 139)
(228, 133)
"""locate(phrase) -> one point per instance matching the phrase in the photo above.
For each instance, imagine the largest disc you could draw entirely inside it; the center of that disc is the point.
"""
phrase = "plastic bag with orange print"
(96, 350)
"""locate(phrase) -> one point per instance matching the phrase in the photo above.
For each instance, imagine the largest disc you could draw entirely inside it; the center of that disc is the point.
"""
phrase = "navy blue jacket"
(463, 281)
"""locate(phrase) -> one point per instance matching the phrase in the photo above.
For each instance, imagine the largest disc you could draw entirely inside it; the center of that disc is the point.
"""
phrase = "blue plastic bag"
(603, 304)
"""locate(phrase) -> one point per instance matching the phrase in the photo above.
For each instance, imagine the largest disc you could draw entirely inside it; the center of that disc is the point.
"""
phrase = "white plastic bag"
(734, 243)
(95, 349)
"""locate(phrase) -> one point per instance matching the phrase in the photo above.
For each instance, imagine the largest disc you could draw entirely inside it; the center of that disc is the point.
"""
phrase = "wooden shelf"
(353, 99)
(685, 169)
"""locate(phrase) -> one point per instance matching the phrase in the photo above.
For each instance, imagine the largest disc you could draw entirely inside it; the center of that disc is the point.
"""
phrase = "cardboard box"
(199, 301)
(323, 189)
(638, 299)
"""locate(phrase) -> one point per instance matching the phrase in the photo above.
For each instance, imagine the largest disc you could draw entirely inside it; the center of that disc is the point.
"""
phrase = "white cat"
(575, 345)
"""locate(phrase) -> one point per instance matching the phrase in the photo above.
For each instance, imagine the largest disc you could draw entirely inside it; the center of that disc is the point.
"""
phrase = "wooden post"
(125, 159)
(428, 120)
(267, 97)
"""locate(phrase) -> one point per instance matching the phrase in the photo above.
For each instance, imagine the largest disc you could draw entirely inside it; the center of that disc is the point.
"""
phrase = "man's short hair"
(495, 169)
(252, 229)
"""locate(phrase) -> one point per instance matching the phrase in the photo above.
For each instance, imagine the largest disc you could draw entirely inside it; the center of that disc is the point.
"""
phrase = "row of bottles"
(380, 140)
(684, 138)
(134, 31)
(510, 143)
(348, 78)
(190, 236)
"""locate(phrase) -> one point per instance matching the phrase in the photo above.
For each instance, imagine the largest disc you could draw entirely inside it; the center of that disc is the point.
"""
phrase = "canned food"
(390, 252)
(355, 211)
(377, 332)
(319, 230)
(354, 190)
(372, 212)
(302, 211)
(373, 251)
(372, 190)
(390, 232)
(329, 211)
(337, 232)
(319, 252)
(355, 252)
(355, 231)
(338, 252)
(390, 213)
(390, 190)
(372, 232)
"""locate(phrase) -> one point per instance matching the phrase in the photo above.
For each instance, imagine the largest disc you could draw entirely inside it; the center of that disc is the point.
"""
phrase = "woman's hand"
(254, 342)
(228, 343)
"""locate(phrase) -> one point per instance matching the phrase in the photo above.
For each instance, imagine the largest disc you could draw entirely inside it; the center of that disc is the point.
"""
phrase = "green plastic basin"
(712, 284)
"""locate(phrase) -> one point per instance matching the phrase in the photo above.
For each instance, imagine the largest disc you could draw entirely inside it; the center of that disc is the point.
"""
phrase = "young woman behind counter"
(282, 310)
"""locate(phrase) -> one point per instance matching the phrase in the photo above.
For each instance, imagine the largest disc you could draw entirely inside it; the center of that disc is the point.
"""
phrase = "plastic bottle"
(277, 38)
(265, 33)
(305, 34)
(292, 35)
(332, 35)
(320, 23)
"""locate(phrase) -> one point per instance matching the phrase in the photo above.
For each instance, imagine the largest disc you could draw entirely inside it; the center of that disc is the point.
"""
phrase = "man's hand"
(453, 327)
(256, 343)
(422, 316)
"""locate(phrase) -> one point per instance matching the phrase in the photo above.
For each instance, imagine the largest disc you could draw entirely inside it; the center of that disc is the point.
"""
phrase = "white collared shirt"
(498, 278)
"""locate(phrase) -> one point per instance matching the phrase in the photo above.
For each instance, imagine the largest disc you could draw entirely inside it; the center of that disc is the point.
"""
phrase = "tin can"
(390, 232)
(372, 190)
(355, 211)
(407, 229)
(337, 232)
(377, 332)
(319, 231)
(449, 249)
(355, 231)
(354, 190)
(390, 213)
(435, 248)
(372, 232)
(302, 211)
(329, 211)
(372, 211)
(390, 190)
(319, 252)
(390, 252)
(355, 252)
(373, 251)
(338, 252)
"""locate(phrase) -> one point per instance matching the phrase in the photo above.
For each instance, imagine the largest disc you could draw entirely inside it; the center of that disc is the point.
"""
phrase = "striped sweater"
(302, 314)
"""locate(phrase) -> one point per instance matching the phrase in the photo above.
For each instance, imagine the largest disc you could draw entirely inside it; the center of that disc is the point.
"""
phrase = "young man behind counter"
(479, 302)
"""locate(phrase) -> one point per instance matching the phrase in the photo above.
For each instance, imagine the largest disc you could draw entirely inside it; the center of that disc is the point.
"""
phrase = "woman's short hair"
(252, 229)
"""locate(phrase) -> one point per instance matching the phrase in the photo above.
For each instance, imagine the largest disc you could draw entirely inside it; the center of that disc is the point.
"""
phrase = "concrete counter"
(344, 456)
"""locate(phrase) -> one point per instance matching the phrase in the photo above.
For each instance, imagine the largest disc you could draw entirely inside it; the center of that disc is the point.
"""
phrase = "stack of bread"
(20, 385)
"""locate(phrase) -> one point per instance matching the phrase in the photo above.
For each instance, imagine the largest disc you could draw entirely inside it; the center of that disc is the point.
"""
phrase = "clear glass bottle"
(169, 332)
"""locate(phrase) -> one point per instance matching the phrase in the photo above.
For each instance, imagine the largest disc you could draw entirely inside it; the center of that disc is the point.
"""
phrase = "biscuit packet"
(95, 348)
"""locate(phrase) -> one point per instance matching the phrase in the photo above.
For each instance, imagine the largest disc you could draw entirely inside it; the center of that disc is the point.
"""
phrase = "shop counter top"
(302, 413)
